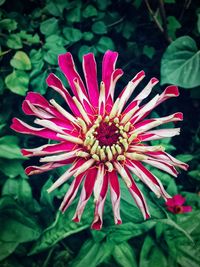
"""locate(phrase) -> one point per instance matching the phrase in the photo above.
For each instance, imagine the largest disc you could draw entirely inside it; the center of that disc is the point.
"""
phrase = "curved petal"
(48, 149)
(90, 72)
(85, 193)
(115, 195)
(99, 204)
(71, 193)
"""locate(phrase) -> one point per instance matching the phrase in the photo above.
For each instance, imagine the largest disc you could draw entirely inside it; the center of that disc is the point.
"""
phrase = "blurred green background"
(160, 37)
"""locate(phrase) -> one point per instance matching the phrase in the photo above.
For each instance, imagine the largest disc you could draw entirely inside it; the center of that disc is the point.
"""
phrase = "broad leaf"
(17, 82)
(21, 61)
(180, 63)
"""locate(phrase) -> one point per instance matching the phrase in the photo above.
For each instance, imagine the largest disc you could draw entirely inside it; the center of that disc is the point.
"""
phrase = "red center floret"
(107, 134)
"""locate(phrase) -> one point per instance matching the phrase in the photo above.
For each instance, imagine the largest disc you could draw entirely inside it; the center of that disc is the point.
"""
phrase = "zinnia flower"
(175, 205)
(101, 137)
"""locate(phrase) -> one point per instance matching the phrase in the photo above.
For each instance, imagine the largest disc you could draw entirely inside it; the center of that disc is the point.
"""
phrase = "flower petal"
(147, 178)
(99, 204)
(90, 72)
(48, 149)
(22, 127)
(108, 66)
(71, 193)
(134, 190)
(54, 82)
(85, 193)
(158, 134)
(115, 195)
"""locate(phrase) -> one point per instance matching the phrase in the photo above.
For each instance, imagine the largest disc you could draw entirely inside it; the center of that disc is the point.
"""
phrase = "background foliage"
(160, 37)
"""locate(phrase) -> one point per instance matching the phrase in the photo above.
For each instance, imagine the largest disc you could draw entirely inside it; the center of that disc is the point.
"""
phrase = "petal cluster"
(100, 136)
(175, 205)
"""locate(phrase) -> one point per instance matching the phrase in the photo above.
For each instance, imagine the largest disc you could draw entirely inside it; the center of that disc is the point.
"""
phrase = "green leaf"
(31, 39)
(89, 11)
(88, 36)
(74, 15)
(128, 30)
(14, 41)
(92, 254)
(51, 55)
(18, 189)
(8, 24)
(172, 25)
(56, 7)
(149, 51)
(49, 26)
(21, 61)
(12, 168)
(124, 255)
(38, 82)
(16, 226)
(180, 63)
(84, 49)
(17, 82)
(99, 27)
(185, 157)
(170, 1)
(104, 44)
(151, 255)
(59, 230)
(9, 148)
(72, 34)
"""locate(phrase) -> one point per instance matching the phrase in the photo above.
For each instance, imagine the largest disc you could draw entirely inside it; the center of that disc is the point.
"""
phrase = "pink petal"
(179, 200)
(22, 127)
(187, 209)
(85, 193)
(128, 90)
(90, 72)
(31, 170)
(49, 149)
(67, 66)
(170, 91)
(162, 166)
(160, 155)
(99, 205)
(148, 178)
(108, 66)
(115, 195)
(146, 125)
(158, 134)
(143, 94)
(54, 82)
(71, 193)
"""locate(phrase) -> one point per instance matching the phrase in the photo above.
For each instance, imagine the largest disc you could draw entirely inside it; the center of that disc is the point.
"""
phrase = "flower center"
(178, 209)
(107, 134)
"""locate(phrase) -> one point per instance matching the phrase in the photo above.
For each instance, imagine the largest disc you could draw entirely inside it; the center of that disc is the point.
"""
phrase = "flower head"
(175, 205)
(101, 137)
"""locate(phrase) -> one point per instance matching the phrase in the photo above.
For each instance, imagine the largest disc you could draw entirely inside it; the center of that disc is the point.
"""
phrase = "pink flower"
(175, 205)
(101, 137)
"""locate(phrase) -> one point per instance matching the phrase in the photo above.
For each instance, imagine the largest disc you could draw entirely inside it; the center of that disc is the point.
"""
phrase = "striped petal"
(85, 193)
(115, 196)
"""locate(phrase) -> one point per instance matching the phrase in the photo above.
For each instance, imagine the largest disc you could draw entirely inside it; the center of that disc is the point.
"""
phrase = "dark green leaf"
(84, 50)
(124, 255)
(88, 36)
(185, 157)
(89, 11)
(72, 34)
(49, 26)
(104, 44)
(149, 51)
(92, 254)
(180, 63)
(173, 25)
(15, 226)
(9, 148)
(99, 27)
(8, 24)
(17, 82)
